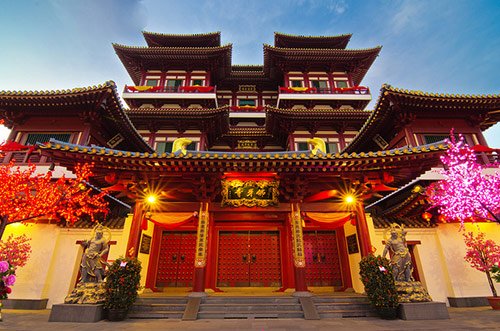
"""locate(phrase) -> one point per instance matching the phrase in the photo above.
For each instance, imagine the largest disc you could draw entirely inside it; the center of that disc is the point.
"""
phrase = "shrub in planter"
(376, 275)
(122, 283)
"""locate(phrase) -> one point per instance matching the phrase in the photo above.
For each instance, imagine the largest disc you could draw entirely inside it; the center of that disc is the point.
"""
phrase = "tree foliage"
(466, 193)
(27, 195)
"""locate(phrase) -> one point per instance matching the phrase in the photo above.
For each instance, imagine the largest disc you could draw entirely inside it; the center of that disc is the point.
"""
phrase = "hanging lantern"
(442, 218)
(427, 216)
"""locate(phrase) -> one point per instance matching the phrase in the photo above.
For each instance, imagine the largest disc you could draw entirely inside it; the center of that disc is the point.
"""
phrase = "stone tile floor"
(477, 318)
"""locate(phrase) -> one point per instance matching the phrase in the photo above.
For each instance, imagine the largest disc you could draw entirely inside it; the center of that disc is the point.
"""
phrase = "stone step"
(163, 300)
(250, 314)
(342, 305)
(156, 314)
(356, 299)
(245, 300)
(346, 314)
(158, 307)
(231, 307)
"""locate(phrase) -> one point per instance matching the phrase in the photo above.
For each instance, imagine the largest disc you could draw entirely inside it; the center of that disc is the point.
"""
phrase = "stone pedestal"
(87, 293)
(468, 301)
(423, 311)
(26, 304)
(78, 313)
(412, 292)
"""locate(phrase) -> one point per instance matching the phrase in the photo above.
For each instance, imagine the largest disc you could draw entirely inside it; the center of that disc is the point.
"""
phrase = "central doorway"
(249, 259)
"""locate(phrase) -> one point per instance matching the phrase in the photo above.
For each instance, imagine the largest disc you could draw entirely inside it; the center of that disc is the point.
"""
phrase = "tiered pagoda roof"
(138, 59)
(99, 105)
(357, 62)
(296, 41)
(396, 104)
(402, 163)
(210, 39)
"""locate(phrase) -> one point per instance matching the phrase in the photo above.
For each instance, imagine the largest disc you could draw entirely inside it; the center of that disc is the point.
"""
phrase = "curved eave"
(335, 114)
(404, 164)
(154, 39)
(299, 41)
(486, 108)
(137, 59)
(358, 61)
(178, 112)
(102, 98)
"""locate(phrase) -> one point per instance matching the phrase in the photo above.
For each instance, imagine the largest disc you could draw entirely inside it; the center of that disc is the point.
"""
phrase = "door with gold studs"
(176, 259)
(322, 259)
(248, 258)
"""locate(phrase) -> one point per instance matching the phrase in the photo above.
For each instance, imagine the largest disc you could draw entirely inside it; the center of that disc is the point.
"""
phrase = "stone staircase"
(250, 307)
(152, 308)
(343, 306)
(244, 307)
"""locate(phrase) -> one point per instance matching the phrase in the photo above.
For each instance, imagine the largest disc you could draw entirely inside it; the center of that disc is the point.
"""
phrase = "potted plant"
(484, 255)
(122, 283)
(376, 275)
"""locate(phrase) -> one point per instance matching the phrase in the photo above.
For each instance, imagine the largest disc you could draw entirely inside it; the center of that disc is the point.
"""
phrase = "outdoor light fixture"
(349, 199)
(151, 199)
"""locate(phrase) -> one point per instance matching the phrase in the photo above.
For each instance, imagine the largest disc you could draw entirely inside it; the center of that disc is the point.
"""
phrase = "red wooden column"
(362, 229)
(299, 261)
(135, 230)
(200, 262)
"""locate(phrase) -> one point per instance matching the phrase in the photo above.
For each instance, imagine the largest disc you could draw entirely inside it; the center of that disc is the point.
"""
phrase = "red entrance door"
(322, 259)
(176, 259)
(249, 258)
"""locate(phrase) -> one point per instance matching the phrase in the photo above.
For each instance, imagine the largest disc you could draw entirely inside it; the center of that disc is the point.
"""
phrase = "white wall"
(440, 260)
(53, 266)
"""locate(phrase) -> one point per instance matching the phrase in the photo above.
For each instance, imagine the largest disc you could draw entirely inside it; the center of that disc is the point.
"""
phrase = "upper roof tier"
(99, 105)
(296, 41)
(356, 61)
(395, 104)
(138, 59)
(210, 39)
(204, 52)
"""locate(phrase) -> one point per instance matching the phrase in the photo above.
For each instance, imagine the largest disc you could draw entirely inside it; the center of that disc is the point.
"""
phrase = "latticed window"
(152, 82)
(434, 138)
(246, 102)
(341, 83)
(33, 138)
(164, 147)
(302, 146)
(332, 148)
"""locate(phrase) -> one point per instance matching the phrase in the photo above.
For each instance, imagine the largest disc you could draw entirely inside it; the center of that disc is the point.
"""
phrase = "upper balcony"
(169, 92)
(325, 93)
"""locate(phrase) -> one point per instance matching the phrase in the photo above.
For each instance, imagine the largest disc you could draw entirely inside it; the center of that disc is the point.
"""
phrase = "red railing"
(169, 89)
(247, 108)
(327, 90)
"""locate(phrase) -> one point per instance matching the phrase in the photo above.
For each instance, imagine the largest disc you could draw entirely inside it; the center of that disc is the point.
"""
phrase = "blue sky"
(446, 46)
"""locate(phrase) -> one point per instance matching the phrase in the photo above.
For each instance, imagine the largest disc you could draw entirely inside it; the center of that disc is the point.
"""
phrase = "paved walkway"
(478, 318)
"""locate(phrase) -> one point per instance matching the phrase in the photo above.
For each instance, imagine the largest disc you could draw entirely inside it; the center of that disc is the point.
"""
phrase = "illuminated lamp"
(442, 218)
(349, 199)
(151, 199)
(427, 216)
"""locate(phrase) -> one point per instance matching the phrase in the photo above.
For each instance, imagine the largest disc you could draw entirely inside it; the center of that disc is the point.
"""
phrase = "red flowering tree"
(465, 193)
(26, 195)
(482, 255)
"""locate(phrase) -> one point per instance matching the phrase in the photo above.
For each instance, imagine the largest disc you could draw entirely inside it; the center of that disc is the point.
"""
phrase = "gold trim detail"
(299, 259)
(201, 236)
(251, 193)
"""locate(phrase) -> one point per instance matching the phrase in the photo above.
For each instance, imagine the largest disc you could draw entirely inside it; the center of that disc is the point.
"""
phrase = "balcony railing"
(169, 89)
(247, 108)
(326, 90)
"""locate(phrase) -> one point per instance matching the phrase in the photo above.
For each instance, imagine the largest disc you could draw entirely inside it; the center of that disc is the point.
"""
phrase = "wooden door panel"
(322, 259)
(265, 266)
(185, 270)
(233, 259)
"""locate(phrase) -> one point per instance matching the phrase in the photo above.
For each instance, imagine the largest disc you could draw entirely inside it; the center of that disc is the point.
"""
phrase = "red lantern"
(442, 218)
(427, 216)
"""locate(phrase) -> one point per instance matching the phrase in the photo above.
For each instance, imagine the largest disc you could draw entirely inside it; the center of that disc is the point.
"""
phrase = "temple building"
(270, 176)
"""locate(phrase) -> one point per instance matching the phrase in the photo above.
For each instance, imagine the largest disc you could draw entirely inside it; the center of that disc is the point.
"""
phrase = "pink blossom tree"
(482, 255)
(465, 193)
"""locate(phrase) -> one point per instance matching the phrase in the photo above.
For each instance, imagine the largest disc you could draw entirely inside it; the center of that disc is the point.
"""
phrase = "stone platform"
(423, 311)
(80, 313)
